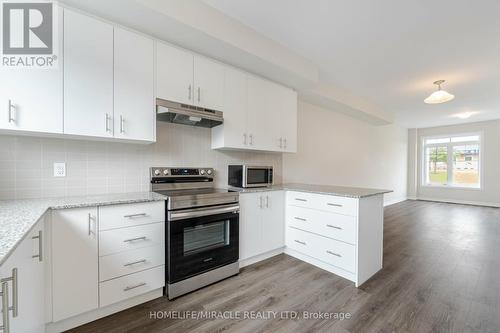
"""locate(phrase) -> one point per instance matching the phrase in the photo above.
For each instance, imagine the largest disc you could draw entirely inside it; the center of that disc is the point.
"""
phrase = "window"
(452, 161)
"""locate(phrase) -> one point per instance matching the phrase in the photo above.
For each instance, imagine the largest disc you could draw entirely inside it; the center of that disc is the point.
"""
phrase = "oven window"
(206, 236)
(257, 176)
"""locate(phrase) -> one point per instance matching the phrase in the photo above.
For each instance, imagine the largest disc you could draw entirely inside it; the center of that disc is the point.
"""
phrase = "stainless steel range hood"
(185, 114)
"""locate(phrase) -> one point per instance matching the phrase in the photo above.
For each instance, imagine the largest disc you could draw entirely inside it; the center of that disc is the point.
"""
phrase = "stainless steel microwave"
(249, 175)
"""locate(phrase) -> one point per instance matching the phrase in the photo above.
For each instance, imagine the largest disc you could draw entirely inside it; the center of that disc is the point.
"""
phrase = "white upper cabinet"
(208, 83)
(174, 74)
(31, 99)
(258, 114)
(88, 76)
(134, 101)
(233, 133)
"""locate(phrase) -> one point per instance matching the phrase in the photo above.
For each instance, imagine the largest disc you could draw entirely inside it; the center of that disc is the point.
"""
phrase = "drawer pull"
(300, 242)
(135, 262)
(300, 218)
(333, 226)
(334, 254)
(135, 239)
(133, 287)
(300, 199)
(334, 204)
(208, 259)
(131, 216)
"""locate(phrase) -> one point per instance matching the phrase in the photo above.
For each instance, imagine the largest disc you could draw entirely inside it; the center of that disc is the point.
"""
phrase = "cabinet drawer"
(116, 290)
(119, 216)
(329, 203)
(332, 225)
(123, 263)
(328, 250)
(119, 240)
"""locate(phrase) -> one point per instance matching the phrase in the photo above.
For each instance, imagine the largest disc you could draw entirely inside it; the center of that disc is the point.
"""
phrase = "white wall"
(489, 194)
(336, 149)
(94, 167)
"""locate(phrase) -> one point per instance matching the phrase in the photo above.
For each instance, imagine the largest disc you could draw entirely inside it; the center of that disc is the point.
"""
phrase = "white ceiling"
(390, 51)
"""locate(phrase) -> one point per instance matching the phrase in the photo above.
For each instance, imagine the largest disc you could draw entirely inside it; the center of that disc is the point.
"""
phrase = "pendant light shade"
(439, 96)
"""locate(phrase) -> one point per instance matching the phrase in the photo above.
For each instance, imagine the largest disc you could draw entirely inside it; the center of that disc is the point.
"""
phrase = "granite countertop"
(17, 217)
(342, 191)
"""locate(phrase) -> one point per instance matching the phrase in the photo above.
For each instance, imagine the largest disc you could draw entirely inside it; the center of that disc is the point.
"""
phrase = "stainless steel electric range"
(202, 228)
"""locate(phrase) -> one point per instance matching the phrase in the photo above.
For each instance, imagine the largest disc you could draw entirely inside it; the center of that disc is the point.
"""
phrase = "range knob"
(209, 172)
(157, 172)
(165, 172)
(202, 172)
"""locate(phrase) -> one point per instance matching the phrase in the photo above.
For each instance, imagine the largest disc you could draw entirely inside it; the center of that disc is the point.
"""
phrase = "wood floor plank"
(441, 274)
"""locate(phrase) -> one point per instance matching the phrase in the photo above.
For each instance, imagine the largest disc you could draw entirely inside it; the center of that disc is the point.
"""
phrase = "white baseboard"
(394, 201)
(260, 257)
(87, 317)
(462, 202)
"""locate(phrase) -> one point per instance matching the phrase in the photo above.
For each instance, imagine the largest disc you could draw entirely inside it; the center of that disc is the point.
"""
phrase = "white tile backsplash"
(96, 167)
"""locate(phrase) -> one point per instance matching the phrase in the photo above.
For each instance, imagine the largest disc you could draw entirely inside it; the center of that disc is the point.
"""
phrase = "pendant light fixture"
(439, 96)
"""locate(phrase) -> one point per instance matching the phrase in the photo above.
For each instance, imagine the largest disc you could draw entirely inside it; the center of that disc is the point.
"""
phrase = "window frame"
(449, 146)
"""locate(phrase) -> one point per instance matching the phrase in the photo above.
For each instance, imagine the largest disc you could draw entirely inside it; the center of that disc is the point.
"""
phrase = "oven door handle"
(187, 214)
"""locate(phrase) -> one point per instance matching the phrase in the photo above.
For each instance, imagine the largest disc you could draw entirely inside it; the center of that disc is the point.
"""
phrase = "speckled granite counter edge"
(297, 188)
(37, 208)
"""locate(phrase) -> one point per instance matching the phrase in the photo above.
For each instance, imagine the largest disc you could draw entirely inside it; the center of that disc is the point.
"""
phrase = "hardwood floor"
(441, 274)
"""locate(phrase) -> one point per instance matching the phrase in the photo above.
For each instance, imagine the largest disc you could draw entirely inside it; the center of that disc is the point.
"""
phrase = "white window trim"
(450, 160)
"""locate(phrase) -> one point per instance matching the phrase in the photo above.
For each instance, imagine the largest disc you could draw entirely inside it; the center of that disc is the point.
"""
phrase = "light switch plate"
(59, 169)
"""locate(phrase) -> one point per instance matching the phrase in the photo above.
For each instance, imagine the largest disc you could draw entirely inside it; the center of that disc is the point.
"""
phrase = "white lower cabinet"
(74, 262)
(24, 271)
(261, 223)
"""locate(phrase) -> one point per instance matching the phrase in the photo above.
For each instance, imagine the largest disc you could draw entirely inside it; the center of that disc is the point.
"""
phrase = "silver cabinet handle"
(40, 246)
(334, 254)
(108, 118)
(208, 259)
(135, 262)
(300, 199)
(334, 204)
(90, 219)
(122, 128)
(267, 201)
(281, 142)
(189, 92)
(261, 205)
(251, 139)
(333, 226)
(284, 143)
(15, 296)
(133, 287)
(5, 307)
(11, 107)
(300, 242)
(199, 93)
(300, 218)
(135, 239)
(131, 216)
(245, 139)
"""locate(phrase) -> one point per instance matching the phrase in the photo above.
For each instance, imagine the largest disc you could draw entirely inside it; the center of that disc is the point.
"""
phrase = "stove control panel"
(157, 172)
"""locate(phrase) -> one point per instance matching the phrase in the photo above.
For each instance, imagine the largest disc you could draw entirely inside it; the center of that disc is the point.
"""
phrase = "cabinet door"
(273, 220)
(261, 121)
(30, 283)
(88, 76)
(174, 74)
(288, 120)
(74, 262)
(233, 133)
(208, 83)
(31, 99)
(250, 225)
(134, 104)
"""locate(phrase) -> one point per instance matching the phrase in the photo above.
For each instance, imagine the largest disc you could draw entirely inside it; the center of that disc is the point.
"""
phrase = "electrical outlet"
(59, 169)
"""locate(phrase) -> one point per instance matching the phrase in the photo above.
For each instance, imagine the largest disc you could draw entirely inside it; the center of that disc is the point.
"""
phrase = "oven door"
(257, 176)
(199, 240)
